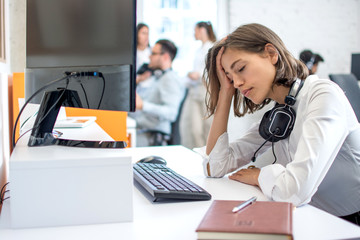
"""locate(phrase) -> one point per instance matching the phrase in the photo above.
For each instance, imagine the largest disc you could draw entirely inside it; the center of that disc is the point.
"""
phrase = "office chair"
(163, 139)
(349, 84)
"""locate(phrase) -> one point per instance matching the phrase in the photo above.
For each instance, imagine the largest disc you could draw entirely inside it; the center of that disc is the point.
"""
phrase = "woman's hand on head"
(226, 83)
(247, 175)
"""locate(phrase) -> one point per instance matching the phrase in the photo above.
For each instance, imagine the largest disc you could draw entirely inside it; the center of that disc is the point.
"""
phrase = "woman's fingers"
(248, 176)
(224, 80)
(219, 67)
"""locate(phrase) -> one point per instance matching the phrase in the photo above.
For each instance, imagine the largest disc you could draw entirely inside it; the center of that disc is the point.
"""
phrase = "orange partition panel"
(113, 122)
(18, 91)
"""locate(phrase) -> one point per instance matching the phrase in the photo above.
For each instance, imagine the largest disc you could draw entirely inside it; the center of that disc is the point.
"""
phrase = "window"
(175, 20)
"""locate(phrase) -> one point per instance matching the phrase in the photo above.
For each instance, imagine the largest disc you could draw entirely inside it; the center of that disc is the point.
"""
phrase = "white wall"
(329, 27)
(17, 42)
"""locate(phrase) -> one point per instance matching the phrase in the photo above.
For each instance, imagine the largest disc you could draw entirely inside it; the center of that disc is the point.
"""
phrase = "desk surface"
(179, 220)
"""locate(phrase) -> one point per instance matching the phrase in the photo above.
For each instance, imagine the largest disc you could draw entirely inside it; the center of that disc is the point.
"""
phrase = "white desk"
(179, 220)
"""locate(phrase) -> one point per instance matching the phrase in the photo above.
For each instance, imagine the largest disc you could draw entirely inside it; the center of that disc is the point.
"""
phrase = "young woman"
(143, 49)
(319, 163)
(194, 128)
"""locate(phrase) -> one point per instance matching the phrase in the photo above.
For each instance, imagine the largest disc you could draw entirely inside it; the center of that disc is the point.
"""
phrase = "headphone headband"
(311, 62)
(290, 99)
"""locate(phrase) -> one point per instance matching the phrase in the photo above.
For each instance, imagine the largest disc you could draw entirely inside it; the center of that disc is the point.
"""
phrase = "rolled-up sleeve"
(219, 156)
(226, 157)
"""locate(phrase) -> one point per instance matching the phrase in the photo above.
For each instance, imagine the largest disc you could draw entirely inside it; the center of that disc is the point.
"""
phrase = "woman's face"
(197, 33)
(143, 36)
(251, 73)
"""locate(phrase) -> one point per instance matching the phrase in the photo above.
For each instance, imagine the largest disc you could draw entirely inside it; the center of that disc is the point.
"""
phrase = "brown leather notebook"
(260, 220)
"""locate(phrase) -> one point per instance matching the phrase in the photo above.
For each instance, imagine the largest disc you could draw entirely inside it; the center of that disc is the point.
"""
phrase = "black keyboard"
(162, 182)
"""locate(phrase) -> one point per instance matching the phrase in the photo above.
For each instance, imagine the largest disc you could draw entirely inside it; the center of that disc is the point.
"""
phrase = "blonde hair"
(251, 38)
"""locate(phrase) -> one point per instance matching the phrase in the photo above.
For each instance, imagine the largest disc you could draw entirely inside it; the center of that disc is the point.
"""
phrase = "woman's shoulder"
(314, 83)
(319, 88)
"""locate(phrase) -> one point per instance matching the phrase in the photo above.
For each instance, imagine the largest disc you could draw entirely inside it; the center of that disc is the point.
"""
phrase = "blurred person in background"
(143, 52)
(311, 60)
(160, 106)
(143, 49)
(194, 127)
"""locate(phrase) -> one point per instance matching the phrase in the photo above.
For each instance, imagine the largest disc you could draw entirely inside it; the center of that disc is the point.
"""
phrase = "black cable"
(32, 96)
(103, 91)
(86, 98)
(271, 136)
(23, 124)
(273, 151)
(24, 134)
(48, 112)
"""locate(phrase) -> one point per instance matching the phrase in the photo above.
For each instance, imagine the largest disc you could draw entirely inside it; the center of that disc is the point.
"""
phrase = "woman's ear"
(272, 52)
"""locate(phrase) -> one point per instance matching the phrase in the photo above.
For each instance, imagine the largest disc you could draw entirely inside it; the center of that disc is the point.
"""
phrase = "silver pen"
(244, 204)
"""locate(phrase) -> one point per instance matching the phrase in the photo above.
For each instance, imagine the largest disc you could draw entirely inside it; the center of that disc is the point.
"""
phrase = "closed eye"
(241, 69)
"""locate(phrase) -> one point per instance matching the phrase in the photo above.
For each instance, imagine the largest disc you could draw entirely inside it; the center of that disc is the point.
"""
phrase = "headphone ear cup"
(264, 125)
(277, 123)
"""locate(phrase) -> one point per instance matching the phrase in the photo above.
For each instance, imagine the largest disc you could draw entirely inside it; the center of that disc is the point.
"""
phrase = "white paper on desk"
(74, 122)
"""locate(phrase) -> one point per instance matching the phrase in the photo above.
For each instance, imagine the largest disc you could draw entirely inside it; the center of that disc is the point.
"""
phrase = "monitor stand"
(42, 132)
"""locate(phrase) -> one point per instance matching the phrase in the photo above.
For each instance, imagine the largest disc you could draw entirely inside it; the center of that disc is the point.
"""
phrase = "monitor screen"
(355, 65)
(91, 41)
(80, 33)
(83, 35)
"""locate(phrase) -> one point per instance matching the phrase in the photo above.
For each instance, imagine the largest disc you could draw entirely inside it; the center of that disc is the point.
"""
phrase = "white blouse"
(200, 55)
(318, 164)
(142, 56)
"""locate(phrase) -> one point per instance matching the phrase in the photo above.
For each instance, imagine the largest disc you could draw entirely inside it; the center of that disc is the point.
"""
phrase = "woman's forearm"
(220, 120)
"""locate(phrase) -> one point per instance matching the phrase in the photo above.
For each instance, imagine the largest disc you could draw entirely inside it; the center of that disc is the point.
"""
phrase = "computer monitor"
(84, 51)
(355, 65)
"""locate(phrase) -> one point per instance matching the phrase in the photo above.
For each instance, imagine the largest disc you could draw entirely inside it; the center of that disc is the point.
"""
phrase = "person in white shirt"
(319, 162)
(143, 49)
(194, 127)
(143, 52)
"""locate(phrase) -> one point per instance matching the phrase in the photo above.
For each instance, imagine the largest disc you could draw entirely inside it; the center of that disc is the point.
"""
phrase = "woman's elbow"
(214, 172)
(295, 198)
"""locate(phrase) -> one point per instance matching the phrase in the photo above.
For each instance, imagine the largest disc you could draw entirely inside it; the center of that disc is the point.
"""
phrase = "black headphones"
(278, 122)
(311, 62)
(158, 73)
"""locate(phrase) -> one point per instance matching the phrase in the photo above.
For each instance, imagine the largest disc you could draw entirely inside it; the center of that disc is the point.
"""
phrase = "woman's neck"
(279, 93)
(141, 47)
(204, 40)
